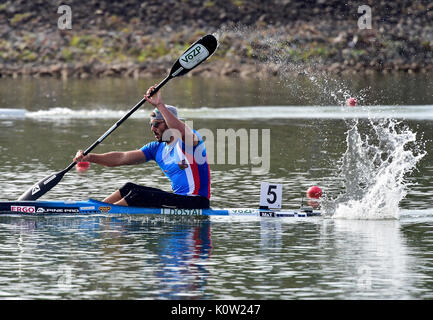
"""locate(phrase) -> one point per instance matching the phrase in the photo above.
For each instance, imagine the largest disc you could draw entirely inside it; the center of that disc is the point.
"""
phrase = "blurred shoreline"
(257, 39)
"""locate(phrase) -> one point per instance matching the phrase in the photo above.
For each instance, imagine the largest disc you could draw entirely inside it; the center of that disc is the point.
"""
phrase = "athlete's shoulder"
(150, 149)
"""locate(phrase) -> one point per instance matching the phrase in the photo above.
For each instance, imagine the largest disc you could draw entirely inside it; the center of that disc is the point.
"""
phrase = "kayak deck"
(91, 207)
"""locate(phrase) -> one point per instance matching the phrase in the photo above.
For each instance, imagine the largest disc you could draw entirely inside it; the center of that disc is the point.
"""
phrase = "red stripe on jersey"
(194, 169)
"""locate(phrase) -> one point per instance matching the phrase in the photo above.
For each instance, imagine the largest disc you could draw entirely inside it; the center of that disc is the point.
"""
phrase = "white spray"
(374, 169)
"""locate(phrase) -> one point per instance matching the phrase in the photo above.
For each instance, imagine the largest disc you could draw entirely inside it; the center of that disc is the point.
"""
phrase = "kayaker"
(180, 153)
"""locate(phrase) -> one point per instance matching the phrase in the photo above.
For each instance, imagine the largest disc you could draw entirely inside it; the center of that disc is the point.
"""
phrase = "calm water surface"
(104, 257)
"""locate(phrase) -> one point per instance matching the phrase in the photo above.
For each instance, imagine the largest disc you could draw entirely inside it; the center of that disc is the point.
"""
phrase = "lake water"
(372, 161)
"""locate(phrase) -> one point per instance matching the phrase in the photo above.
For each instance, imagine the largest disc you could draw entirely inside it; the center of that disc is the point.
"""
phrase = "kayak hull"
(92, 207)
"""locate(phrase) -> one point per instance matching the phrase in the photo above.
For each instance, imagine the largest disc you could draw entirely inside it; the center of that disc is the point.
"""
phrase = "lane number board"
(271, 195)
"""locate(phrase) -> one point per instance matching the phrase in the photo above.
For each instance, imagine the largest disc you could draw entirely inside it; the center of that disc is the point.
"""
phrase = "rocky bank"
(257, 38)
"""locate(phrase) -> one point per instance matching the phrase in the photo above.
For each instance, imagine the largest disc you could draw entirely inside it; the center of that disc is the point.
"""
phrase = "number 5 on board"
(270, 195)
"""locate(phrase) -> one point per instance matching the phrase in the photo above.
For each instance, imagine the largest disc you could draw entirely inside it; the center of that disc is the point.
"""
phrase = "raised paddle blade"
(42, 187)
(198, 52)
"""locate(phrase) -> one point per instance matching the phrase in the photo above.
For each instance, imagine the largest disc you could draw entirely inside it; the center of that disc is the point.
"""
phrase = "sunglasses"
(155, 124)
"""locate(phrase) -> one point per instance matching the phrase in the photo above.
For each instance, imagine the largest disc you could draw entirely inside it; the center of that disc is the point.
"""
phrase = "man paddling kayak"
(180, 153)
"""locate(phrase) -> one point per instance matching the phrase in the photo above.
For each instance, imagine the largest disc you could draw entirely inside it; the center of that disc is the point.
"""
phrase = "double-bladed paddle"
(191, 58)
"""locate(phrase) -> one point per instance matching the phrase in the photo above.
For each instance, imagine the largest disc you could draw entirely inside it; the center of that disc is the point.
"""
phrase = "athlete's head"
(158, 124)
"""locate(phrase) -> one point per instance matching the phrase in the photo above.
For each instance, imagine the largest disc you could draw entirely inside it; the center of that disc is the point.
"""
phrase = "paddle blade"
(42, 187)
(198, 52)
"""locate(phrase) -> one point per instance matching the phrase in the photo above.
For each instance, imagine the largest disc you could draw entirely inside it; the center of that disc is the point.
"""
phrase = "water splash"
(380, 154)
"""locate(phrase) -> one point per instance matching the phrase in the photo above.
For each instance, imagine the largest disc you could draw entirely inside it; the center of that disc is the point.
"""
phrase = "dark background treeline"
(138, 38)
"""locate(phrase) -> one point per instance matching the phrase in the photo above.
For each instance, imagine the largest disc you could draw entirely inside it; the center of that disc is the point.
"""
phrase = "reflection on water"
(375, 259)
(182, 255)
(147, 258)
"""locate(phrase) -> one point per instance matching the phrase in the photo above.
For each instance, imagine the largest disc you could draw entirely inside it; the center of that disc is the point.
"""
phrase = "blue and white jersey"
(186, 167)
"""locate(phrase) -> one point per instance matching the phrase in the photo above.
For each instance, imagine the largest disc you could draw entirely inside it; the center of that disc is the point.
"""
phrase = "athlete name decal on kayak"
(182, 212)
(194, 56)
(23, 209)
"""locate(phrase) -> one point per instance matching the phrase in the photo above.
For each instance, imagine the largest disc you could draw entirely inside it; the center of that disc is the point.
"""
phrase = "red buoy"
(351, 102)
(314, 192)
